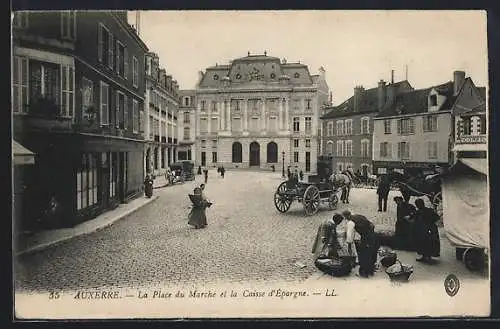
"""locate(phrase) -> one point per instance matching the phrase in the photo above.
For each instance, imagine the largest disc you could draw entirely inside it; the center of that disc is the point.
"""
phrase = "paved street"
(247, 239)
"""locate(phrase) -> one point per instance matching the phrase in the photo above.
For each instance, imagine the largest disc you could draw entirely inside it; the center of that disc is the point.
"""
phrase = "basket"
(400, 276)
(335, 267)
(388, 259)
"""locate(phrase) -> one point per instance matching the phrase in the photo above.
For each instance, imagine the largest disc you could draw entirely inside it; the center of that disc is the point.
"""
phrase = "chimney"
(392, 76)
(322, 72)
(331, 98)
(381, 94)
(458, 80)
(358, 90)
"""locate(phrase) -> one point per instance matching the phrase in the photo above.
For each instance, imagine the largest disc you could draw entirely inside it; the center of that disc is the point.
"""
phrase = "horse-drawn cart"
(310, 194)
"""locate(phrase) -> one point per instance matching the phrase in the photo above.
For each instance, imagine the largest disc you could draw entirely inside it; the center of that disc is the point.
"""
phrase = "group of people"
(416, 229)
(295, 175)
(335, 239)
(197, 216)
(221, 170)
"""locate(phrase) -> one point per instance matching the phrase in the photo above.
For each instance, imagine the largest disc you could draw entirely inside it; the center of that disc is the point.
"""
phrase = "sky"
(355, 47)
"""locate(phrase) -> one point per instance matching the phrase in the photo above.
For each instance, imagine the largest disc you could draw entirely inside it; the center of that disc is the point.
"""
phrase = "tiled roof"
(416, 101)
(368, 103)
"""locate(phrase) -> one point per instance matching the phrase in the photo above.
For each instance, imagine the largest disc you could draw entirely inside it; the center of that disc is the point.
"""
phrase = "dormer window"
(297, 75)
(216, 77)
(433, 100)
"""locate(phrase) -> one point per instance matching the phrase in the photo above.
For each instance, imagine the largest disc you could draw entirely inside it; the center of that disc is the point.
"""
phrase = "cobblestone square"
(246, 240)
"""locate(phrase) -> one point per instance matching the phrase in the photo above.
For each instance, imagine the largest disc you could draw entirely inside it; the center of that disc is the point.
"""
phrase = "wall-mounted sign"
(472, 139)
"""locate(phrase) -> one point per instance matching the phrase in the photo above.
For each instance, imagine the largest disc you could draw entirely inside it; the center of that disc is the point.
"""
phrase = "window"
(105, 47)
(432, 149)
(67, 94)
(295, 156)
(203, 105)
(214, 107)
(87, 182)
(385, 150)
(20, 20)
(236, 125)
(203, 143)
(308, 125)
(403, 150)
(365, 125)
(272, 152)
(20, 84)
(329, 129)
(68, 25)
(296, 124)
(429, 123)
(273, 124)
(203, 125)
(135, 115)
(121, 59)
(186, 101)
(254, 124)
(187, 133)
(365, 148)
(348, 127)
(121, 111)
(135, 71)
(348, 148)
(308, 104)
(308, 143)
(406, 126)
(213, 127)
(433, 100)
(87, 96)
(296, 104)
(329, 147)
(187, 117)
(295, 143)
(214, 143)
(214, 157)
(387, 127)
(44, 82)
(235, 104)
(113, 173)
(340, 148)
(340, 128)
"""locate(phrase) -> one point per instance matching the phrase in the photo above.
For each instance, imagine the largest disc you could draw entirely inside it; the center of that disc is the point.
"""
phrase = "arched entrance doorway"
(254, 154)
(272, 152)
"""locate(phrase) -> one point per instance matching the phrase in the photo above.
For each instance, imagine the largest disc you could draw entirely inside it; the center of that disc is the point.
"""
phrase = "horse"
(418, 185)
(343, 180)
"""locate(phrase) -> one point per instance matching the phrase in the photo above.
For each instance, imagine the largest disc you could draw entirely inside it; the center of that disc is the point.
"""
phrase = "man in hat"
(367, 249)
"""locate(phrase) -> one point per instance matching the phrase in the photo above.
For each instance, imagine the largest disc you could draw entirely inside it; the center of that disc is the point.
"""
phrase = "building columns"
(245, 115)
(197, 116)
(222, 115)
(287, 115)
(280, 115)
(263, 114)
(228, 117)
(209, 119)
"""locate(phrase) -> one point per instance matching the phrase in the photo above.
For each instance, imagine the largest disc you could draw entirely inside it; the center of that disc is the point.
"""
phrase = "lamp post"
(283, 158)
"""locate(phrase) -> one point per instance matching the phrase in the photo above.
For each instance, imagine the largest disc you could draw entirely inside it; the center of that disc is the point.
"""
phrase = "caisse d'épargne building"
(259, 111)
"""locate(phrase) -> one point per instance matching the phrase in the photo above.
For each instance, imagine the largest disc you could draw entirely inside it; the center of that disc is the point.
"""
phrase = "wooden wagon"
(310, 194)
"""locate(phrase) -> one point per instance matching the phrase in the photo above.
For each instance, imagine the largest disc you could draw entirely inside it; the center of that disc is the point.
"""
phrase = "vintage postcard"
(250, 164)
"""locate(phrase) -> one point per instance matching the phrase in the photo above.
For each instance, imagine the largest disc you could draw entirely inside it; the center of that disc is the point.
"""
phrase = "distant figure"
(301, 175)
(206, 175)
(222, 171)
(426, 232)
(289, 173)
(384, 186)
(199, 170)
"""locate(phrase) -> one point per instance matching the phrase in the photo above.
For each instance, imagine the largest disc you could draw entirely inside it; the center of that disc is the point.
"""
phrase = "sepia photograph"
(250, 164)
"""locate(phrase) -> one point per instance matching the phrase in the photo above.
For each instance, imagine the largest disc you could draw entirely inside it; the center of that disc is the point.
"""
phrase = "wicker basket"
(388, 259)
(335, 267)
(401, 276)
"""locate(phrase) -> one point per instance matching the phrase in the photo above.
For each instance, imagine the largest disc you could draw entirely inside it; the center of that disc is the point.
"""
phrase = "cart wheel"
(437, 202)
(281, 200)
(311, 200)
(333, 201)
(473, 259)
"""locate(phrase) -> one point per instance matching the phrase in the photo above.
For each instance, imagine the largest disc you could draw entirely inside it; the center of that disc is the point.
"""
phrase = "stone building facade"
(259, 111)
(187, 125)
(160, 117)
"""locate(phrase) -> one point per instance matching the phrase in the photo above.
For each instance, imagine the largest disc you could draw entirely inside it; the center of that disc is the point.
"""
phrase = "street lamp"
(283, 158)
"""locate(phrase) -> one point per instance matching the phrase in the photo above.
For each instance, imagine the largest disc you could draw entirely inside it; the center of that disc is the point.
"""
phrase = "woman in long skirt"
(197, 216)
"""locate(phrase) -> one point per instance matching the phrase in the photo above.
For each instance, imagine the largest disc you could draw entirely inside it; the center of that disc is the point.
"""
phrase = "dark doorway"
(203, 159)
(148, 160)
(272, 152)
(237, 153)
(254, 154)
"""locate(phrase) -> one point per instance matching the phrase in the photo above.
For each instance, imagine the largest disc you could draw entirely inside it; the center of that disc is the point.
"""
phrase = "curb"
(108, 223)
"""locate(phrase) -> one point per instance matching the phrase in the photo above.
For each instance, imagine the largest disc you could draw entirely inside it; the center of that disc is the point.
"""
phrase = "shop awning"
(21, 155)
(479, 165)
